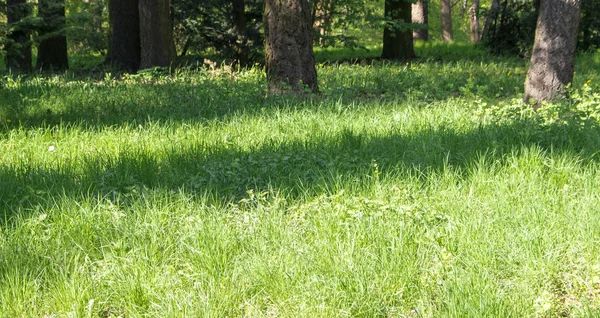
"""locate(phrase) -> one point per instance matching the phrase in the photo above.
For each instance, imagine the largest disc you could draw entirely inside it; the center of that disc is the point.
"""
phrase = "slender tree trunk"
(52, 51)
(446, 20)
(397, 38)
(290, 62)
(474, 21)
(156, 33)
(124, 49)
(553, 56)
(491, 18)
(239, 19)
(420, 15)
(18, 49)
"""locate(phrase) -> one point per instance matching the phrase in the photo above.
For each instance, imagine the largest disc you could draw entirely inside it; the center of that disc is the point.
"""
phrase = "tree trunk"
(18, 49)
(156, 34)
(124, 49)
(420, 15)
(239, 19)
(474, 21)
(290, 62)
(492, 16)
(397, 38)
(52, 51)
(446, 20)
(553, 56)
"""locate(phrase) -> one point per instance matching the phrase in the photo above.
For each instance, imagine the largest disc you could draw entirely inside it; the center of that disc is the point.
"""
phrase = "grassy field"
(402, 190)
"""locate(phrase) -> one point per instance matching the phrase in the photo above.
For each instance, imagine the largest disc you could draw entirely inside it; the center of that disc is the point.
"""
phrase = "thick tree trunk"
(397, 38)
(18, 49)
(239, 19)
(124, 50)
(290, 62)
(474, 21)
(420, 15)
(52, 51)
(553, 56)
(156, 34)
(446, 20)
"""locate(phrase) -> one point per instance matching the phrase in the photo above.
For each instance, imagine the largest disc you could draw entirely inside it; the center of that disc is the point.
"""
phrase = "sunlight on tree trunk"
(474, 21)
(446, 20)
(420, 13)
(290, 62)
(553, 56)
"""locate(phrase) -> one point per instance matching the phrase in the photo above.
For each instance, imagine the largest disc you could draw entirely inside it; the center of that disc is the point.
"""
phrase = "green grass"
(420, 190)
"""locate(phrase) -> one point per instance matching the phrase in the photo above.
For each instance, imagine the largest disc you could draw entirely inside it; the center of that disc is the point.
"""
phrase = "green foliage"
(87, 26)
(209, 25)
(513, 27)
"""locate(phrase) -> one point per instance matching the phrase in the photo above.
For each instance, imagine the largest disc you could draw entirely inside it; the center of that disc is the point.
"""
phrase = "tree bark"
(492, 16)
(156, 34)
(239, 19)
(52, 51)
(446, 20)
(474, 21)
(420, 15)
(124, 49)
(18, 49)
(553, 56)
(290, 62)
(397, 38)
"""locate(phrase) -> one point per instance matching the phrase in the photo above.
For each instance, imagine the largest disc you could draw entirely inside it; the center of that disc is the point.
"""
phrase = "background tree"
(397, 35)
(87, 26)
(553, 56)
(420, 15)
(18, 44)
(156, 33)
(446, 20)
(239, 18)
(52, 50)
(125, 49)
(474, 21)
(290, 62)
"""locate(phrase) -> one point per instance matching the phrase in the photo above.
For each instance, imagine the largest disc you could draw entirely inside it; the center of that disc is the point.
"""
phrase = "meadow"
(421, 189)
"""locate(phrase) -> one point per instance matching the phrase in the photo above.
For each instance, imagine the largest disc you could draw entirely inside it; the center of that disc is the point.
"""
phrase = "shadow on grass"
(294, 170)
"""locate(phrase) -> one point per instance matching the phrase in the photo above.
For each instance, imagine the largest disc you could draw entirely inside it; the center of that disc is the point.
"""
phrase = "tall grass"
(419, 190)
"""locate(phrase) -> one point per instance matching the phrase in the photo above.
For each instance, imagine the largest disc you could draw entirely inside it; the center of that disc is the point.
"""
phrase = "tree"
(18, 47)
(446, 20)
(125, 50)
(553, 56)
(474, 21)
(290, 62)
(239, 19)
(52, 50)
(420, 13)
(156, 33)
(397, 36)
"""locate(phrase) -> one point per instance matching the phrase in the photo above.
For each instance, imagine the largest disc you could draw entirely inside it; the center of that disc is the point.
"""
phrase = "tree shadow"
(295, 170)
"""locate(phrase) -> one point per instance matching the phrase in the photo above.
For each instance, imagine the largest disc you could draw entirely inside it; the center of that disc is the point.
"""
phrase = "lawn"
(422, 189)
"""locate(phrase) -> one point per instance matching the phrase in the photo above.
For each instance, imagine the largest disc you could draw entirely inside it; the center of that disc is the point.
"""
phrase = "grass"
(419, 190)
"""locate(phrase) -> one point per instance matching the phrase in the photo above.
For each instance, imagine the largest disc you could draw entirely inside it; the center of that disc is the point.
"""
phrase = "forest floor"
(424, 189)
